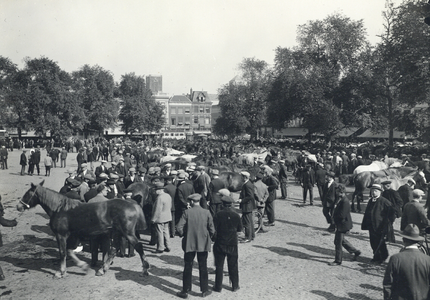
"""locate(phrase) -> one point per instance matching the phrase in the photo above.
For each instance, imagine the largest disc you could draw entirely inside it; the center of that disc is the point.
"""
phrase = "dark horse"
(71, 219)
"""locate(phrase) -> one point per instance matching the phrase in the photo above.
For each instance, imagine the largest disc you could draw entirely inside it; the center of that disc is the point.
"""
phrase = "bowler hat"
(412, 232)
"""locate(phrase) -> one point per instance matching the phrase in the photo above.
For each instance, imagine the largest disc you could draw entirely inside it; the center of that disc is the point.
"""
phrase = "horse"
(71, 220)
(232, 180)
(374, 166)
(365, 179)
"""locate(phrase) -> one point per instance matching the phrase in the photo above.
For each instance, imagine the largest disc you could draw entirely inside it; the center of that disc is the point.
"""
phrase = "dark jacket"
(272, 186)
(342, 215)
(378, 216)
(227, 225)
(405, 192)
(395, 199)
(407, 276)
(308, 178)
(248, 199)
(215, 185)
(183, 190)
(23, 159)
(329, 196)
(320, 176)
(171, 190)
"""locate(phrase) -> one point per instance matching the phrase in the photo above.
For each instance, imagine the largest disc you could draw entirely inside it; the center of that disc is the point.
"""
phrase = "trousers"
(339, 242)
(202, 259)
(248, 224)
(220, 253)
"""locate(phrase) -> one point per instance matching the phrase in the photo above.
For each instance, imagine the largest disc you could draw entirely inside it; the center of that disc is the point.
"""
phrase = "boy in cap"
(227, 224)
(197, 228)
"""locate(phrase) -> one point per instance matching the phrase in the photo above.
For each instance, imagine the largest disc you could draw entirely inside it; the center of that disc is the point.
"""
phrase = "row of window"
(186, 110)
(179, 121)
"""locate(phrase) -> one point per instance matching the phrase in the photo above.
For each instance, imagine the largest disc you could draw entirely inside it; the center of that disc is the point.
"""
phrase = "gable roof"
(180, 99)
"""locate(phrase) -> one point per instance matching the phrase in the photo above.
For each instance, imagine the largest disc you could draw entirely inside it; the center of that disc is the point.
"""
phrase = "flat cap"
(194, 197)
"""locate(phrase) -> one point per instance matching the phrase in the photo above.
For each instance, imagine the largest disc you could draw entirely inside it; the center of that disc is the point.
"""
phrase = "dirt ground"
(289, 261)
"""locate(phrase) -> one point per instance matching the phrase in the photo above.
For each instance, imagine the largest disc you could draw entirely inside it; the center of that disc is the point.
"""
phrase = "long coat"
(23, 159)
(197, 228)
(395, 199)
(215, 185)
(329, 196)
(183, 190)
(342, 215)
(379, 216)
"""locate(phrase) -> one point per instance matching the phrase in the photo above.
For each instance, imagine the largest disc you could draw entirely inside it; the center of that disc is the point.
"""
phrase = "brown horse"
(365, 179)
(71, 220)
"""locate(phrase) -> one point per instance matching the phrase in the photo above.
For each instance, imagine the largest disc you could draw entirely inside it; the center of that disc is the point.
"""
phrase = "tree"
(243, 100)
(307, 79)
(401, 68)
(139, 112)
(94, 89)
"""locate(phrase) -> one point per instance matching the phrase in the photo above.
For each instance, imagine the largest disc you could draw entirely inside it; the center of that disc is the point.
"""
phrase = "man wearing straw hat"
(408, 273)
(378, 217)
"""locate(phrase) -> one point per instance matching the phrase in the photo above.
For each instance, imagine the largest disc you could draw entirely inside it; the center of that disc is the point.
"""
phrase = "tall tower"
(154, 83)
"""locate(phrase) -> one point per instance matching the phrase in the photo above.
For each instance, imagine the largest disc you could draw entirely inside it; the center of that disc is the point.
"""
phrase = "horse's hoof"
(100, 272)
(59, 275)
(145, 265)
(145, 273)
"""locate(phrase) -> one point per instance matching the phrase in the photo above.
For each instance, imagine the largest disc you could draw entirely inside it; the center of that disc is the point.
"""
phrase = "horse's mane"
(55, 200)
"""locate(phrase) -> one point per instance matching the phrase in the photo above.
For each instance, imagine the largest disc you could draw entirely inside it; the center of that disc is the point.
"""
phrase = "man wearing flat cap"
(214, 198)
(283, 178)
(408, 273)
(378, 219)
(102, 168)
(161, 216)
(197, 228)
(414, 213)
(227, 224)
(247, 204)
(130, 178)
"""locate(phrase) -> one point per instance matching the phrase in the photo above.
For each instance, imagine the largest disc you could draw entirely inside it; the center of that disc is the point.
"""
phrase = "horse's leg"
(62, 244)
(110, 251)
(138, 246)
(72, 243)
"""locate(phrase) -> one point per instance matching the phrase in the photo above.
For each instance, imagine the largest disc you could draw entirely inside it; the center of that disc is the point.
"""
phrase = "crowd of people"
(195, 203)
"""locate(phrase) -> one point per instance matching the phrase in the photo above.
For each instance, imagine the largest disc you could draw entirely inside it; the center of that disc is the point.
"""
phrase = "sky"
(193, 44)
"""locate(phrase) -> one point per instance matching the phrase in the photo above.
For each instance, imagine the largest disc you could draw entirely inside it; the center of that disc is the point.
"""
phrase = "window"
(201, 109)
(173, 121)
(187, 110)
(207, 121)
(208, 110)
(187, 120)
(180, 121)
(173, 110)
(180, 110)
(196, 109)
(196, 120)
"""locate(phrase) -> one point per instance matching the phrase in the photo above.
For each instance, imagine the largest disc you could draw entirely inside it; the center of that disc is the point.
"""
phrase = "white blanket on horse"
(174, 152)
(188, 157)
(374, 166)
(167, 158)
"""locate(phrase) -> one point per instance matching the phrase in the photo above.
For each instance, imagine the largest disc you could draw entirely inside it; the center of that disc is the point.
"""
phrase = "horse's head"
(30, 198)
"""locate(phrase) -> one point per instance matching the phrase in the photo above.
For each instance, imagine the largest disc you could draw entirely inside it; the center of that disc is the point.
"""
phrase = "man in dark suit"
(102, 168)
(227, 224)
(36, 159)
(283, 178)
(200, 187)
(247, 204)
(329, 199)
(343, 222)
(405, 191)
(308, 183)
(408, 273)
(23, 161)
(320, 179)
(378, 218)
(414, 213)
(197, 228)
(130, 178)
(183, 190)
(393, 196)
(170, 189)
(213, 197)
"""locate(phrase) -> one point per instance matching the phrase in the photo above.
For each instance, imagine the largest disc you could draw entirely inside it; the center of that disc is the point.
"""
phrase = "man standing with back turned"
(197, 228)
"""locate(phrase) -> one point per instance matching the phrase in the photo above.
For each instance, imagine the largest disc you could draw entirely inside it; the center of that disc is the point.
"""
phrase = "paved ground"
(289, 261)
